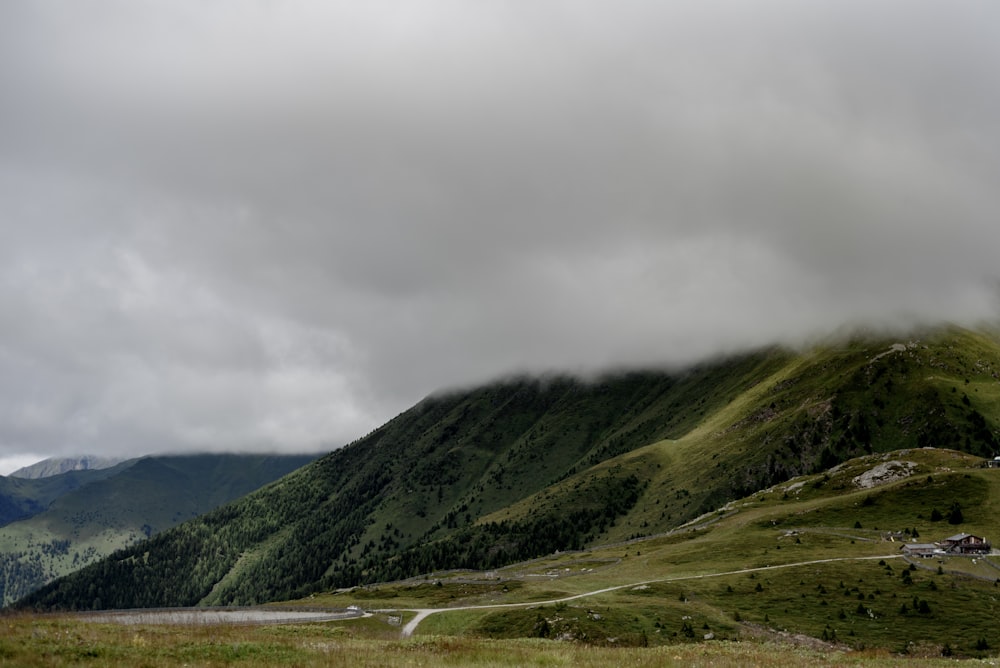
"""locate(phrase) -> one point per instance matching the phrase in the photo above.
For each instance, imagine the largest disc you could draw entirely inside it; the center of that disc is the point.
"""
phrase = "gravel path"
(423, 613)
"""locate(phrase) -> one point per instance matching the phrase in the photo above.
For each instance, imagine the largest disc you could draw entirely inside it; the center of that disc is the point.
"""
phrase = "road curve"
(423, 613)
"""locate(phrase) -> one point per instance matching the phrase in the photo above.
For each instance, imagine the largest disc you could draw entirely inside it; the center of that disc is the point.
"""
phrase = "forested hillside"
(525, 467)
(21, 498)
(97, 512)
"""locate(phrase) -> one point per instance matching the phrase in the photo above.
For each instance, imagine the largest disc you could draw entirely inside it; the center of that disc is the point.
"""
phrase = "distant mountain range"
(57, 465)
(53, 525)
(526, 467)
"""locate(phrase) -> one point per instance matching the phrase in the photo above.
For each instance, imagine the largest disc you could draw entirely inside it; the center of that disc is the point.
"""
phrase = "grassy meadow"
(30, 641)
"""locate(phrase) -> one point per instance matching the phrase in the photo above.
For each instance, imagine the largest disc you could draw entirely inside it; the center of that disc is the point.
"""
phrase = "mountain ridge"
(56, 465)
(522, 468)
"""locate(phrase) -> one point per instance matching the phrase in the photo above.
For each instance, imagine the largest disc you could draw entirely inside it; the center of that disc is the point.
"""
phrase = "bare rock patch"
(884, 473)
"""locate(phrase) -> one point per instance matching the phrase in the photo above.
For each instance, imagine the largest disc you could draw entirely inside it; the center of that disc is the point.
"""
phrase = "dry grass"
(28, 641)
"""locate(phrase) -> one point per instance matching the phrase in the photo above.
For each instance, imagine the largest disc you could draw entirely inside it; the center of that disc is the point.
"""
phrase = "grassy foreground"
(55, 640)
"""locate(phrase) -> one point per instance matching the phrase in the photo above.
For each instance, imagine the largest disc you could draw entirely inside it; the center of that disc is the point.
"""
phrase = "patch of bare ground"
(761, 632)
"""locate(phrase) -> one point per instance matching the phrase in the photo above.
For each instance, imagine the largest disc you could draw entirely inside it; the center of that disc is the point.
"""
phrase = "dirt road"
(423, 613)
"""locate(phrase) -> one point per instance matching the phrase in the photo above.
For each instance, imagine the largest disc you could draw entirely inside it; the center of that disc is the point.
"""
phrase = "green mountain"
(20, 498)
(82, 516)
(526, 467)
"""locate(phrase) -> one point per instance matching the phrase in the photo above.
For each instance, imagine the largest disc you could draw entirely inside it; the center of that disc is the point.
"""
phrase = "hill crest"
(56, 465)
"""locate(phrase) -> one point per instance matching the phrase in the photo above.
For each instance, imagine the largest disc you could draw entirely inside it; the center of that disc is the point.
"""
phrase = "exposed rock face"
(883, 473)
(55, 466)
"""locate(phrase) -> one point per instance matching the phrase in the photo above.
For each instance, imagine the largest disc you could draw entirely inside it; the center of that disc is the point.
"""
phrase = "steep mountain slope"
(823, 407)
(134, 500)
(57, 465)
(523, 468)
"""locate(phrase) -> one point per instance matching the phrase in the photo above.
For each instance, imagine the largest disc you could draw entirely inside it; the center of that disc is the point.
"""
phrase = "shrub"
(955, 514)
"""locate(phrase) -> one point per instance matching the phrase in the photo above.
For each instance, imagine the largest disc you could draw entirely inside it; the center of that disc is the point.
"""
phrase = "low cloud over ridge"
(254, 225)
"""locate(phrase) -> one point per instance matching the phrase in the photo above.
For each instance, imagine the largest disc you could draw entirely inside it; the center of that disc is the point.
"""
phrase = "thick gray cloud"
(258, 225)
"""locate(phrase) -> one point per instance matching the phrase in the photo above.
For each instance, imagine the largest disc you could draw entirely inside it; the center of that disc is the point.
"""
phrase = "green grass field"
(29, 641)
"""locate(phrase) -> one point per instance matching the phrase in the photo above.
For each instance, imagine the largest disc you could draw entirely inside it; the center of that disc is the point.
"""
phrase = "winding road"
(273, 616)
(423, 613)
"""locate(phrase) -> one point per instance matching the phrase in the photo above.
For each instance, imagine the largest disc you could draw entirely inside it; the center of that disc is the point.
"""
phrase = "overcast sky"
(256, 225)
